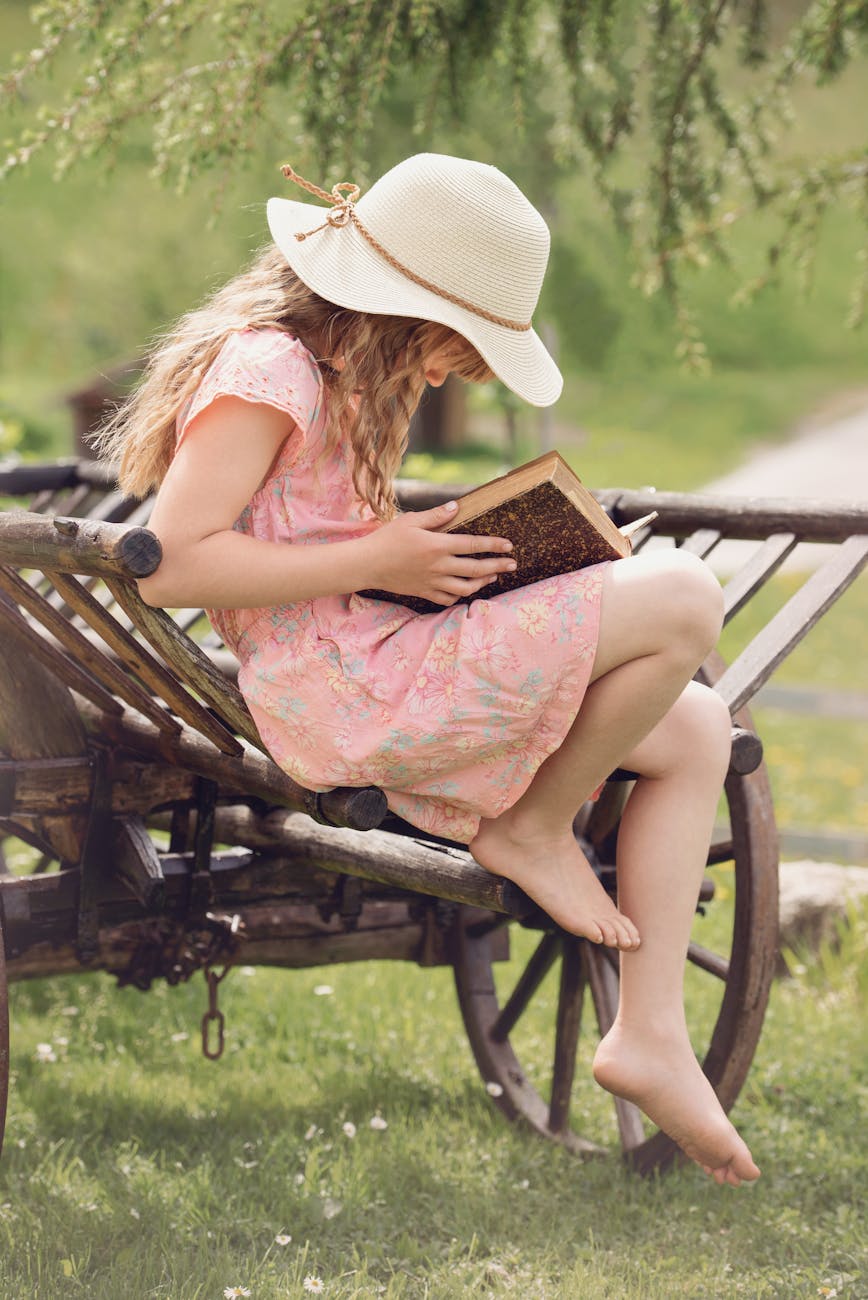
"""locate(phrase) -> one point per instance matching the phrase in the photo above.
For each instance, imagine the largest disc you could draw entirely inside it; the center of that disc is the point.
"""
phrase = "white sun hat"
(439, 238)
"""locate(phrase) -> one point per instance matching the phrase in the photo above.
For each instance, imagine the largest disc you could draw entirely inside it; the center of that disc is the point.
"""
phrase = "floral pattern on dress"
(451, 713)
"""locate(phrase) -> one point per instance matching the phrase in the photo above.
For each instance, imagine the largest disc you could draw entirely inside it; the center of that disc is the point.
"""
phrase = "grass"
(134, 1167)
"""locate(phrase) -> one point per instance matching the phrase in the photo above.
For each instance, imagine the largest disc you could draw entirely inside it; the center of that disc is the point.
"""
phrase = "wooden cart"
(165, 841)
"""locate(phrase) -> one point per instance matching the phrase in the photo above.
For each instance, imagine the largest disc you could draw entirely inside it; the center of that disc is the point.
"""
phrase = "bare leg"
(647, 1056)
(659, 617)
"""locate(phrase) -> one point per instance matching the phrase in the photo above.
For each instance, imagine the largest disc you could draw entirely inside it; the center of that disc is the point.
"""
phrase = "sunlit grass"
(134, 1167)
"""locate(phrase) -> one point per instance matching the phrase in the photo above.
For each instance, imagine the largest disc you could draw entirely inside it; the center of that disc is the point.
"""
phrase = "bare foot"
(555, 874)
(660, 1073)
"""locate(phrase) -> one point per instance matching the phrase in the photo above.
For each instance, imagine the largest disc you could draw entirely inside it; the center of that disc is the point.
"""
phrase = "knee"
(693, 604)
(702, 729)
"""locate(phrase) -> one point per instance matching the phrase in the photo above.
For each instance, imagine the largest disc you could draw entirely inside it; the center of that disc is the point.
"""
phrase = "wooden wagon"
(165, 841)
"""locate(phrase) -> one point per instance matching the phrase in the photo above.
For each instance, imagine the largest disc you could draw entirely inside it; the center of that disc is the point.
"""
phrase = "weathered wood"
(274, 934)
(138, 658)
(604, 990)
(397, 861)
(66, 670)
(764, 562)
(755, 665)
(682, 513)
(25, 480)
(86, 653)
(188, 661)
(747, 751)
(64, 785)
(30, 541)
(38, 719)
(248, 772)
(702, 542)
(567, 1025)
(135, 858)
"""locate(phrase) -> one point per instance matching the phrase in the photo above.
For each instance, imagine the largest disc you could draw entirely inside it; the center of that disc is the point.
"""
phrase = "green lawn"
(133, 1167)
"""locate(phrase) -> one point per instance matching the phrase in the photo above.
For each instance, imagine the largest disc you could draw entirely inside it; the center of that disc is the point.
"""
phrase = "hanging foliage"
(670, 105)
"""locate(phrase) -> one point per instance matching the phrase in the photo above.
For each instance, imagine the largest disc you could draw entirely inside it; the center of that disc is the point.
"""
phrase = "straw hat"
(438, 238)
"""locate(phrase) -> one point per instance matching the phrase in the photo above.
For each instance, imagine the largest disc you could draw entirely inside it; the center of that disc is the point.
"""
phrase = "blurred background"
(671, 390)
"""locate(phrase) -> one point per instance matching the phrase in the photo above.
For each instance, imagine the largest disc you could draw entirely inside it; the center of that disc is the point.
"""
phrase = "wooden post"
(38, 719)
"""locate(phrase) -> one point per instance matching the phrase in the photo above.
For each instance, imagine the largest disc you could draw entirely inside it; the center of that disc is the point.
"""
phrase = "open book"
(554, 523)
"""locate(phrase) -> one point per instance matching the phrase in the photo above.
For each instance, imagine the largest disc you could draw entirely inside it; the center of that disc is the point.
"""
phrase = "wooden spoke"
(722, 851)
(529, 981)
(604, 991)
(568, 1024)
(707, 960)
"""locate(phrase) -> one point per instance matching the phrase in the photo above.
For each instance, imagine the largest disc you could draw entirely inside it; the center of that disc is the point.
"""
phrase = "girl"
(273, 420)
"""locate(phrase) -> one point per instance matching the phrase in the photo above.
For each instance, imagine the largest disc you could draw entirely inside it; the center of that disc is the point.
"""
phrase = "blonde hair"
(382, 366)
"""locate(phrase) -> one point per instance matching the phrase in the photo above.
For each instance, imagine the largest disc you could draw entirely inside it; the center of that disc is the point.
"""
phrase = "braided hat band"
(436, 238)
(344, 211)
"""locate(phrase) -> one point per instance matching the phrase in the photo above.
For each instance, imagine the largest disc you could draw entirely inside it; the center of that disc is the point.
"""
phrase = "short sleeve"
(266, 366)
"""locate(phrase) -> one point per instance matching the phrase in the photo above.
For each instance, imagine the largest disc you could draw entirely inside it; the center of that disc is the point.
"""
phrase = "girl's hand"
(411, 558)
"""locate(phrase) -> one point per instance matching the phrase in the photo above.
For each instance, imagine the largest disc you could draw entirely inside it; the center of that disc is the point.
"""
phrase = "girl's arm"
(223, 460)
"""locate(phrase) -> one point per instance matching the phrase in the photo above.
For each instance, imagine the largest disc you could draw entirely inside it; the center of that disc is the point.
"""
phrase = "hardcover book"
(554, 523)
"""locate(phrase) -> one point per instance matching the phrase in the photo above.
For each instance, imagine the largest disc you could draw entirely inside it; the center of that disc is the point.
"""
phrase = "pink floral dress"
(450, 714)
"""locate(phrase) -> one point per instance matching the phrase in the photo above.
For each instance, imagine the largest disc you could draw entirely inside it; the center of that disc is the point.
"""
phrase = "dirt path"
(827, 459)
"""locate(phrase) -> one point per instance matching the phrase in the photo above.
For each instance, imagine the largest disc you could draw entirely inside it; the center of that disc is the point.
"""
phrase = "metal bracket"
(201, 892)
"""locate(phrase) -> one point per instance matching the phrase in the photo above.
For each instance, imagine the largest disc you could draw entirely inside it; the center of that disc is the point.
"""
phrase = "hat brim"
(341, 266)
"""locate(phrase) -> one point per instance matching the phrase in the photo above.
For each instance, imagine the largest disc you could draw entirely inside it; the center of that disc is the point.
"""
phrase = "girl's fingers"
(459, 567)
(470, 544)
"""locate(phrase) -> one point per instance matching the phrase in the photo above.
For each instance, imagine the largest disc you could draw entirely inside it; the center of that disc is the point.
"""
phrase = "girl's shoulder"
(268, 350)
(260, 365)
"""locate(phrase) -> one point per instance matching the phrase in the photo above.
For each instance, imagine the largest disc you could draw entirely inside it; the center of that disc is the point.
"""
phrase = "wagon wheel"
(730, 989)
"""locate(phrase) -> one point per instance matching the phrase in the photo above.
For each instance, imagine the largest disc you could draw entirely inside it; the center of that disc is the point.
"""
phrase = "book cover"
(553, 521)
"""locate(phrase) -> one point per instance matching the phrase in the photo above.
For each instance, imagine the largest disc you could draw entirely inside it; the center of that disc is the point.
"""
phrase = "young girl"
(273, 420)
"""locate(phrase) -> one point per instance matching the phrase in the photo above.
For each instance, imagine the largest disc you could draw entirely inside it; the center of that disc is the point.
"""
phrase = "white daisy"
(283, 1239)
(349, 1129)
(378, 1123)
(234, 1292)
(494, 1089)
(315, 1285)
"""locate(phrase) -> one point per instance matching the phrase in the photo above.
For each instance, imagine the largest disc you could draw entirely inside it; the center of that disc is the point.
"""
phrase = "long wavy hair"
(371, 395)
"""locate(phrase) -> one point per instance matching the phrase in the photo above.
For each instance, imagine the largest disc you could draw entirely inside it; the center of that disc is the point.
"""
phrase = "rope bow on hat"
(343, 198)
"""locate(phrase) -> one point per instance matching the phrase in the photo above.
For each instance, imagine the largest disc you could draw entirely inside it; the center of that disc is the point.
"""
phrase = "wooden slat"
(702, 542)
(755, 665)
(90, 656)
(187, 660)
(764, 562)
(65, 669)
(77, 498)
(143, 663)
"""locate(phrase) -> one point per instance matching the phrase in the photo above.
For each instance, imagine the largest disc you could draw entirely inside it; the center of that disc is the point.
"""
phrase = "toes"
(625, 938)
(609, 933)
(632, 933)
